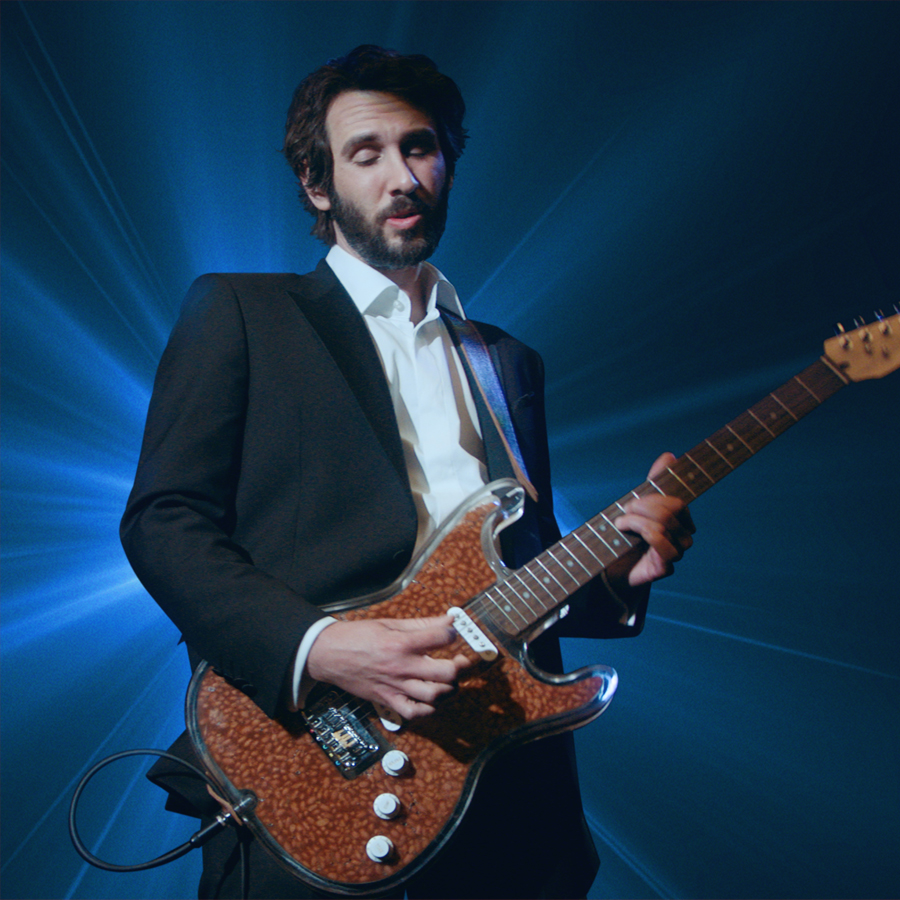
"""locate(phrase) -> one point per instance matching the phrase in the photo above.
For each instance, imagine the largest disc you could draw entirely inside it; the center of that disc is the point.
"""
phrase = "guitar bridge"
(338, 722)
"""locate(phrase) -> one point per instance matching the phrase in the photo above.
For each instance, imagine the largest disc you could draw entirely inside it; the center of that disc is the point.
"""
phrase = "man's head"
(373, 138)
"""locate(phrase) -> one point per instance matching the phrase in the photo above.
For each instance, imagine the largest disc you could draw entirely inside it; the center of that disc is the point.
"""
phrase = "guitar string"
(503, 596)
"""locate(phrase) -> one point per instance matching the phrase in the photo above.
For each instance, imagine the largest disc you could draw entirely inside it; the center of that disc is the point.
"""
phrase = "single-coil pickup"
(472, 634)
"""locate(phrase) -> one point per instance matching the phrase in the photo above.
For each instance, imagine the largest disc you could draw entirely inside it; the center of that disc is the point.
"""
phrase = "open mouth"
(404, 222)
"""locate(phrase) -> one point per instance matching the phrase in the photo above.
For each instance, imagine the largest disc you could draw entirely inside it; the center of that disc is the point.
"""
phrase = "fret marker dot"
(507, 608)
(691, 476)
(773, 415)
(616, 542)
(603, 528)
(526, 595)
(546, 580)
(569, 563)
(729, 447)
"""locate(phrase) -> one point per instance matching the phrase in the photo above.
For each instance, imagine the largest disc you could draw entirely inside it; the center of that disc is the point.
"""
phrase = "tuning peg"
(840, 332)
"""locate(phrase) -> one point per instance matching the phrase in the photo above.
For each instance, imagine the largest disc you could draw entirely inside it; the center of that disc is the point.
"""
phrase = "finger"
(441, 671)
(407, 707)
(654, 534)
(421, 635)
(424, 691)
(663, 511)
(660, 465)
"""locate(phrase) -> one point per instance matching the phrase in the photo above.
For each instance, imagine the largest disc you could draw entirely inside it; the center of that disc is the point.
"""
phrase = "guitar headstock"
(868, 351)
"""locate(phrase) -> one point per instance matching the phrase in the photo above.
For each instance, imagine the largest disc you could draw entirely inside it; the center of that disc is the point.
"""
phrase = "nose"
(401, 178)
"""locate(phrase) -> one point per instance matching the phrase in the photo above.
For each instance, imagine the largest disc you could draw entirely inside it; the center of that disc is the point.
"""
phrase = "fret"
(666, 482)
(797, 397)
(707, 458)
(577, 535)
(579, 549)
(799, 379)
(697, 475)
(772, 414)
(721, 456)
(748, 432)
(502, 607)
(787, 409)
(618, 539)
(538, 560)
(573, 559)
(511, 613)
(730, 447)
(544, 585)
(538, 586)
(524, 594)
(601, 526)
(568, 565)
(674, 474)
(531, 593)
(761, 423)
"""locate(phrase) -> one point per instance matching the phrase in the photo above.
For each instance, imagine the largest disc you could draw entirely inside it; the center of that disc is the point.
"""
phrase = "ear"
(317, 196)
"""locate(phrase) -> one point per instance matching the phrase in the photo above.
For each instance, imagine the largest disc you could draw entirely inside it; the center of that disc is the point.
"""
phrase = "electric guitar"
(352, 802)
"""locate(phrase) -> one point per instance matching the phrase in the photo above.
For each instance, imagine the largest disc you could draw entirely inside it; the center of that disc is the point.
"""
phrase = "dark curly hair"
(414, 79)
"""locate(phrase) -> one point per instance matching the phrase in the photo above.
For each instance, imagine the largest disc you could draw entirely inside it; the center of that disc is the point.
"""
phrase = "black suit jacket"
(272, 480)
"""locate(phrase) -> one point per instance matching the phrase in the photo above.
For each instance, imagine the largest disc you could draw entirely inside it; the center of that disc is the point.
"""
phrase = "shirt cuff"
(301, 683)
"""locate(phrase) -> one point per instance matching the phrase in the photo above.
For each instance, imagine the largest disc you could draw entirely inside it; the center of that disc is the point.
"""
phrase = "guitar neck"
(533, 593)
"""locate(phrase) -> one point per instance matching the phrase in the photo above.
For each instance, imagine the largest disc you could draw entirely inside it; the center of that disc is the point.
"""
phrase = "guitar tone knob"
(387, 806)
(379, 848)
(395, 762)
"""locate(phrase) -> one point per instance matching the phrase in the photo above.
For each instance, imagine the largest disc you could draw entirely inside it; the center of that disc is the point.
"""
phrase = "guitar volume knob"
(387, 806)
(395, 762)
(379, 848)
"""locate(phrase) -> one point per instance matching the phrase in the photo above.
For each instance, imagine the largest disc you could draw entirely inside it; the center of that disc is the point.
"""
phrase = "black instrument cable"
(246, 804)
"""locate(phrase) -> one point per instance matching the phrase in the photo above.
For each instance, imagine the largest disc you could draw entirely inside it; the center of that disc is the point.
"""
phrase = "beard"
(409, 248)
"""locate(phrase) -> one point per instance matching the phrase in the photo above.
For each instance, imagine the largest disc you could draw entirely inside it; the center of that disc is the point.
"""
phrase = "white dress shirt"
(435, 412)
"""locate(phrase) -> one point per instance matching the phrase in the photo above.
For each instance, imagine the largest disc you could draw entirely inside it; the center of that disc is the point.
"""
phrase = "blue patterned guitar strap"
(484, 380)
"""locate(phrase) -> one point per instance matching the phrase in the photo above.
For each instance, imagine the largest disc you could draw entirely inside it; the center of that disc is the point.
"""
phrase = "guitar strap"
(487, 392)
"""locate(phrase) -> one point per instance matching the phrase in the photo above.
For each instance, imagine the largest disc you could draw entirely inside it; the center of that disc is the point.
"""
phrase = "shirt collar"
(365, 285)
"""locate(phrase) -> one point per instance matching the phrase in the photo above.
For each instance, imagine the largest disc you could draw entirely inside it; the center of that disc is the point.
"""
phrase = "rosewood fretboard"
(534, 592)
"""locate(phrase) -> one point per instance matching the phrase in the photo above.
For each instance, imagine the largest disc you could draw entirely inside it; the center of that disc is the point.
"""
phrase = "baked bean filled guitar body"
(353, 803)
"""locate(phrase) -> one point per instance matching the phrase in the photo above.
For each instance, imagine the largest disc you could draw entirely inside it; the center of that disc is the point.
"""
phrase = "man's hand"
(387, 661)
(665, 526)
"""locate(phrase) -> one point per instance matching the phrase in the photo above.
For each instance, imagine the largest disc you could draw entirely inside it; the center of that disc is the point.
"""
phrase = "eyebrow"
(360, 140)
(356, 141)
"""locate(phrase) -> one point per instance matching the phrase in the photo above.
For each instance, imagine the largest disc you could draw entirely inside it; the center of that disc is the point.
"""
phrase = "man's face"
(389, 200)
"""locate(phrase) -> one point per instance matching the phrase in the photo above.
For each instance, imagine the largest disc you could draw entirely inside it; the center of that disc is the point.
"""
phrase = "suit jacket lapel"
(330, 311)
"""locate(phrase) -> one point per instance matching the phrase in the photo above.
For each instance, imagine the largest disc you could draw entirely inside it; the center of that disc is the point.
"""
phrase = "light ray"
(766, 645)
(635, 864)
(65, 795)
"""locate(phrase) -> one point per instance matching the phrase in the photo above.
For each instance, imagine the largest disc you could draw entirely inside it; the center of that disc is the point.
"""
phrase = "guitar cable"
(245, 804)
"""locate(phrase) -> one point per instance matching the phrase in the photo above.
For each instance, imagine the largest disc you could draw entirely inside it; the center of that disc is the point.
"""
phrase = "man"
(307, 434)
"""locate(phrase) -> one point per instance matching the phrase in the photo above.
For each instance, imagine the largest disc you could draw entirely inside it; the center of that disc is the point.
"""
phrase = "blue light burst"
(673, 203)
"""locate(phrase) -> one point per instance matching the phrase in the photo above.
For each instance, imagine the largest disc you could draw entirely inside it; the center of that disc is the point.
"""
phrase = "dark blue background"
(674, 204)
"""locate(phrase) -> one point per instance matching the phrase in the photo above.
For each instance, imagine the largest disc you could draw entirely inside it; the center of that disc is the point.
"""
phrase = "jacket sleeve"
(178, 526)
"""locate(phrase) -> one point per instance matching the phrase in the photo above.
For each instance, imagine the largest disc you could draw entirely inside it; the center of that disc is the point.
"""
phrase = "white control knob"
(387, 806)
(394, 762)
(379, 848)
